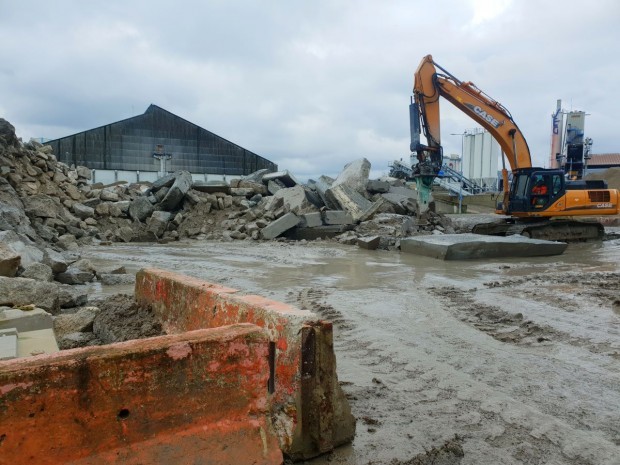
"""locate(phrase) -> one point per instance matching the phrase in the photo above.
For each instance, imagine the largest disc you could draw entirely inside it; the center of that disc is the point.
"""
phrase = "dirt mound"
(610, 175)
(121, 319)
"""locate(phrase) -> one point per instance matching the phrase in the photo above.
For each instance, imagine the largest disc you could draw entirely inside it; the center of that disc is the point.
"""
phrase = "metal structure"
(570, 150)
(480, 158)
(130, 145)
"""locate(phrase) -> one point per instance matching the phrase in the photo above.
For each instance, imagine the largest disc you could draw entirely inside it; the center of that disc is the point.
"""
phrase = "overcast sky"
(309, 85)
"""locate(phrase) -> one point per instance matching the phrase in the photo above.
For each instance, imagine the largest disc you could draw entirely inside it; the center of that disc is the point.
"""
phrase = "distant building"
(603, 161)
(481, 154)
(145, 147)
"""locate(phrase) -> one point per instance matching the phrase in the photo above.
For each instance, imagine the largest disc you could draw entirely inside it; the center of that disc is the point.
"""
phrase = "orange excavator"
(538, 202)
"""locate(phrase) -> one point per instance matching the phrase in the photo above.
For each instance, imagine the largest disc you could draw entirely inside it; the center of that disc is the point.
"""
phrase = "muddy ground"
(512, 361)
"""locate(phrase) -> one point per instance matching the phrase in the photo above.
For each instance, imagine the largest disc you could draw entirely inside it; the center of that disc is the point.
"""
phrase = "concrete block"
(353, 202)
(242, 192)
(9, 261)
(197, 397)
(8, 344)
(24, 291)
(285, 177)
(295, 200)
(309, 411)
(354, 175)
(257, 187)
(211, 187)
(369, 243)
(279, 226)
(311, 220)
(335, 217)
(182, 184)
(321, 186)
(377, 186)
(477, 246)
(256, 176)
(37, 342)
(22, 321)
(311, 234)
(274, 185)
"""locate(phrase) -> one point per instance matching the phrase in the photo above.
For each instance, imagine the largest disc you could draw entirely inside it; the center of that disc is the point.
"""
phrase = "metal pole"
(461, 172)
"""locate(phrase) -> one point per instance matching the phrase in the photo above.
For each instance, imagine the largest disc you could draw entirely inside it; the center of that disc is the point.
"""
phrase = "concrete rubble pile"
(53, 204)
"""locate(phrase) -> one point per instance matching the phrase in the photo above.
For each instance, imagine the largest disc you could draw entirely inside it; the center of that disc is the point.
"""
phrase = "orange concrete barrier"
(196, 397)
(308, 408)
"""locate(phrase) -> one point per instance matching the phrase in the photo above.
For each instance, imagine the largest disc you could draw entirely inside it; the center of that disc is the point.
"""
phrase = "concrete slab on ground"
(476, 246)
(8, 344)
(25, 320)
(40, 341)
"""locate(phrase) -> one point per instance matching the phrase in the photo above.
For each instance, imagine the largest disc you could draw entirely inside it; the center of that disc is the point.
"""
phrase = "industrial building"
(147, 146)
(602, 161)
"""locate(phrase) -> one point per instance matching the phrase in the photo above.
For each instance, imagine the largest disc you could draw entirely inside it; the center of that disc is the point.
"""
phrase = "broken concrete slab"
(354, 175)
(158, 221)
(257, 187)
(403, 199)
(24, 291)
(476, 246)
(211, 187)
(357, 205)
(280, 226)
(82, 211)
(78, 322)
(335, 217)
(9, 261)
(321, 186)
(274, 185)
(378, 186)
(165, 181)
(295, 200)
(22, 246)
(24, 321)
(75, 276)
(140, 208)
(369, 242)
(182, 184)
(37, 342)
(256, 176)
(285, 177)
(38, 271)
(8, 344)
(317, 232)
(242, 191)
(311, 220)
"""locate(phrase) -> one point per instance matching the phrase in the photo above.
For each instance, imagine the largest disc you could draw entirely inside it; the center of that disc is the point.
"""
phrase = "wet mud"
(516, 360)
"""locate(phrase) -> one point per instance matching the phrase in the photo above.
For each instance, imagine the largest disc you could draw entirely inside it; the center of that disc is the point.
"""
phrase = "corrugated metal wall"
(129, 145)
(480, 159)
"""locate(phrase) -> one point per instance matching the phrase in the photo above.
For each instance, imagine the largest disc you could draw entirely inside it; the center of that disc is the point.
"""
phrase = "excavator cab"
(534, 190)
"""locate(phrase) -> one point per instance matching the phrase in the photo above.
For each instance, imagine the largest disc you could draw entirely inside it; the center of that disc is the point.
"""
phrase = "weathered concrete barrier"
(473, 246)
(309, 411)
(196, 397)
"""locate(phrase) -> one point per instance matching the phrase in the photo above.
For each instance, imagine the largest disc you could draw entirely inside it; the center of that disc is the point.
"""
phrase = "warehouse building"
(148, 146)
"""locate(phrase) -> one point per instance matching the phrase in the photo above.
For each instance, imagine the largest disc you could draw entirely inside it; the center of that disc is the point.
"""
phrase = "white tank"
(480, 157)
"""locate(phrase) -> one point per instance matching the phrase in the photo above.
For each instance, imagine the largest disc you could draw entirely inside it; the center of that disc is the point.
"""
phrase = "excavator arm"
(429, 86)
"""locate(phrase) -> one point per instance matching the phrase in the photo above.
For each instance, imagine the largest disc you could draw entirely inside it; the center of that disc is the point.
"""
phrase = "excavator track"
(551, 230)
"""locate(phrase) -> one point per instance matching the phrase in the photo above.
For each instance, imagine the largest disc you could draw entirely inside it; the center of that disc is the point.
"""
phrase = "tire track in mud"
(380, 407)
(512, 328)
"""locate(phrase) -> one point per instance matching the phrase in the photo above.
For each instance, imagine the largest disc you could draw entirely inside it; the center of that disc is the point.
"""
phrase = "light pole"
(463, 134)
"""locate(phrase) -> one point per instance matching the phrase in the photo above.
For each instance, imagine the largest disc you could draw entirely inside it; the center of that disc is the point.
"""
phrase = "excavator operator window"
(539, 192)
